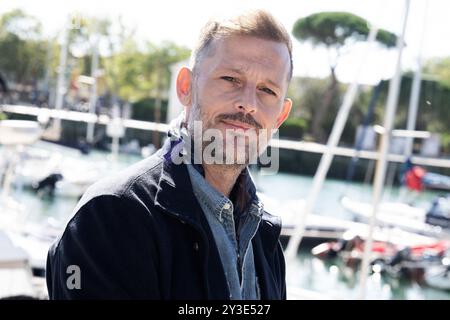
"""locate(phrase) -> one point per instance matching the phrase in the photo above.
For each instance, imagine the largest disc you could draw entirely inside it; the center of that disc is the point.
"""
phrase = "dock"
(321, 228)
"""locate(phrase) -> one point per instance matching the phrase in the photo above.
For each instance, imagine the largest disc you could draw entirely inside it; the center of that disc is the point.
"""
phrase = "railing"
(162, 127)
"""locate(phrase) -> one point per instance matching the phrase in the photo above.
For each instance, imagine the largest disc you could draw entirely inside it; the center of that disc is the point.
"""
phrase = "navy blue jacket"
(141, 234)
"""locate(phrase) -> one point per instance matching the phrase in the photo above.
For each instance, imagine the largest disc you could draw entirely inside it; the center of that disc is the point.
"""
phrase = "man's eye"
(230, 79)
(267, 90)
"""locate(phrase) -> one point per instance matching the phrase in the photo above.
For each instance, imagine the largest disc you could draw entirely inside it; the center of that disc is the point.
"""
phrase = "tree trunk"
(317, 130)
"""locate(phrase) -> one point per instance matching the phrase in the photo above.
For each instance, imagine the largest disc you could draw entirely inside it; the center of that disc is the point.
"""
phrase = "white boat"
(30, 165)
(326, 227)
(19, 132)
(15, 270)
(16, 276)
(439, 276)
(73, 175)
(42, 165)
(395, 214)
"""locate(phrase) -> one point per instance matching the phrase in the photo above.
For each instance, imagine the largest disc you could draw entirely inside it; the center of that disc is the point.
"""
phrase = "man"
(412, 177)
(183, 224)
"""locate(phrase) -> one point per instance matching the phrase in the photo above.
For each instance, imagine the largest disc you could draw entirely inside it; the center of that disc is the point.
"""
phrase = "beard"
(232, 148)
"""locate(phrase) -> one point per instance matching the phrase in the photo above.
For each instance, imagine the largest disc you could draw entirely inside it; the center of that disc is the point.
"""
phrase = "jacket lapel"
(265, 245)
(174, 195)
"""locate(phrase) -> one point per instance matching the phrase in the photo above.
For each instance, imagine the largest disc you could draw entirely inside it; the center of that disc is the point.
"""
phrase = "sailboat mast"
(327, 157)
(380, 172)
(93, 93)
(61, 82)
(415, 91)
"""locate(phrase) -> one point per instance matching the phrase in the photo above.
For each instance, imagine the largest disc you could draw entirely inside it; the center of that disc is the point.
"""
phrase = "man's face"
(239, 91)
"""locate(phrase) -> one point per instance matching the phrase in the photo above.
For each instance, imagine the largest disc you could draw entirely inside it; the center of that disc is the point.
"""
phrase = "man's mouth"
(237, 125)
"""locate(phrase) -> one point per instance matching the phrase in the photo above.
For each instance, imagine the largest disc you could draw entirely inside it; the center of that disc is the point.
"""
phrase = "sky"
(180, 21)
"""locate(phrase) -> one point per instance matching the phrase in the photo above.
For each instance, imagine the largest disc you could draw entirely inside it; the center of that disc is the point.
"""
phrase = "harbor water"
(330, 278)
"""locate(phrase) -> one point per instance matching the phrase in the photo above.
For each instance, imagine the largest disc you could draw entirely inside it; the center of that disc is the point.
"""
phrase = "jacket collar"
(174, 194)
(174, 190)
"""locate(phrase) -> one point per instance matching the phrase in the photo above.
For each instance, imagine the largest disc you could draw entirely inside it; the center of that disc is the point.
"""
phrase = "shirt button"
(226, 206)
(196, 246)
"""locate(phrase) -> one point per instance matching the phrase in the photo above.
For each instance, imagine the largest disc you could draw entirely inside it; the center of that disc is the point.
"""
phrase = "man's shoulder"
(270, 230)
(117, 200)
(133, 183)
(270, 219)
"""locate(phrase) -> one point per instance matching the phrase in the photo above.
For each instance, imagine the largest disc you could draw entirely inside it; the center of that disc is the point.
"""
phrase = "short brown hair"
(258, 23)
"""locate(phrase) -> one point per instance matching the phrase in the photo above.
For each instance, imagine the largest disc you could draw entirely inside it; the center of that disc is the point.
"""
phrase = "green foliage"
(131, 73)
(306, 95)
(22, 25)
(439, 68)
(134, 74)
(445, 140)
(433, 112)
(335, 29)
(145, 109)
(22, 53)
(293, 128)
(125, 73)
(157, 62)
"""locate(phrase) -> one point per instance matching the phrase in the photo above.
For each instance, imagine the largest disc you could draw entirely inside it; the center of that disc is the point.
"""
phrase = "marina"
(362, 171)
(50, 213)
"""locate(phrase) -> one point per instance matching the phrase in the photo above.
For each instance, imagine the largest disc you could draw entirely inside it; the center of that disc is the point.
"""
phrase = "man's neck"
(222, 177)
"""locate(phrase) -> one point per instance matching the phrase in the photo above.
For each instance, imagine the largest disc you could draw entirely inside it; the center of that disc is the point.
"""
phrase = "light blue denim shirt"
(235, 250)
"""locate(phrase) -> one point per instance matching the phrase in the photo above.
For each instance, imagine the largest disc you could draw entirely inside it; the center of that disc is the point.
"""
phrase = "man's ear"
(287, 106)
(184, 86)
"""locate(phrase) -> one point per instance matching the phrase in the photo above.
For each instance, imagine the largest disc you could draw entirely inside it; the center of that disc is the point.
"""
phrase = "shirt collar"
(219, 203)
(243, 193)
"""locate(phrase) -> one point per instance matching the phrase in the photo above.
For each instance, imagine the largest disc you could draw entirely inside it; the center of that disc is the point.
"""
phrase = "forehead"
(247, 53)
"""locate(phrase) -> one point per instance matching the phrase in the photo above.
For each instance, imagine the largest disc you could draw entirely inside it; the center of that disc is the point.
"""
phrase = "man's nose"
(247, 101)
